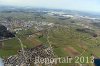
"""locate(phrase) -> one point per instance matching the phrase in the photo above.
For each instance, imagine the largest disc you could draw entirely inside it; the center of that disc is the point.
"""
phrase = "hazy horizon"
(80, 5)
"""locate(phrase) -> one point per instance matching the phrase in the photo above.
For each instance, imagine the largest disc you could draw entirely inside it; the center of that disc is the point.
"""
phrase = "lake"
(97, 62)
(1, 62)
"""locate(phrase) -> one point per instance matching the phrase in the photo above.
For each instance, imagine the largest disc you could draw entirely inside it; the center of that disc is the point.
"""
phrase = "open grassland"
(69, 42)
(9, 47)
(66, 41)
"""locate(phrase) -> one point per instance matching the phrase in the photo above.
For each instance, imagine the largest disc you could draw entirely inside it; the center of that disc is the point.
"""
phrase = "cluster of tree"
(96, 24)
(86, 30)
(5, 33)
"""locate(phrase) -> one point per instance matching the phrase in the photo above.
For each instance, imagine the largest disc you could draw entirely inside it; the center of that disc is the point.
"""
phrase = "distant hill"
(32, 9)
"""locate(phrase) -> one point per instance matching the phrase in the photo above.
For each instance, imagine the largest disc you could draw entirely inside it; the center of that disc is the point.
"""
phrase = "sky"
(81, 5)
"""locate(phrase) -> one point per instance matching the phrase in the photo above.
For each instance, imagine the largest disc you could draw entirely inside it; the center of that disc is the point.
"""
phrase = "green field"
(65, 41)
